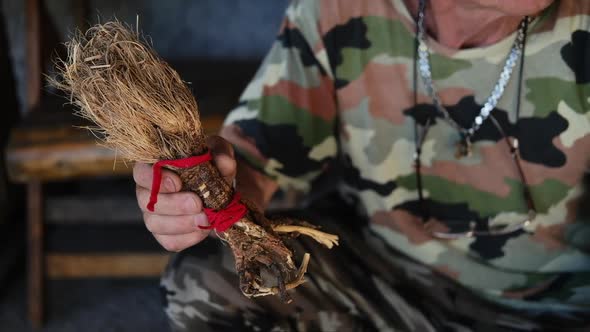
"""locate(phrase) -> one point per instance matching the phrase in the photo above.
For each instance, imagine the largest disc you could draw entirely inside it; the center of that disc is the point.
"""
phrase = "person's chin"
(517, 8)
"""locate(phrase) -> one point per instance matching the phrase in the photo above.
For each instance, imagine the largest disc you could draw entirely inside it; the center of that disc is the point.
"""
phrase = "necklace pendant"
(464, 148)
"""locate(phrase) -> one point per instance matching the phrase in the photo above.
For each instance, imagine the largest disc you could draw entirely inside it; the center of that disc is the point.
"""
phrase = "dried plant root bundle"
(143, 109)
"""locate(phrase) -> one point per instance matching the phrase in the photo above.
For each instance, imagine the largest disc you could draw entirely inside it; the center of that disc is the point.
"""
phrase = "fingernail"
(201, 220)
(169, 184)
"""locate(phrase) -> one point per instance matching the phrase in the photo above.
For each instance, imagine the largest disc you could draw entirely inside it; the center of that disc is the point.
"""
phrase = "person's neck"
(459, 24)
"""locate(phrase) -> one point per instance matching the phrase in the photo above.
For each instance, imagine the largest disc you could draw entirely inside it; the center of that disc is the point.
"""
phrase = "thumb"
(223, 157)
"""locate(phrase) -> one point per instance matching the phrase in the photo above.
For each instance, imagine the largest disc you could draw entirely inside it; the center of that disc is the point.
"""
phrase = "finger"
(174, 225)
(219, 146)
(226, 167)
(223, 157)
(172, 204)
(176, 243)
(143, 175)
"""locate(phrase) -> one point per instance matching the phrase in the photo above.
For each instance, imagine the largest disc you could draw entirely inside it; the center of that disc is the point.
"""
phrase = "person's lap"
(356, 286)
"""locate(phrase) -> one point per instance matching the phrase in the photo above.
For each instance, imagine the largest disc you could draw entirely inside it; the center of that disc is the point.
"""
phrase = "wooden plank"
(56, 133)
(67, 161)
(62, 129)
(24, 136)
(121, 265)
(100, 210)
(35, 253)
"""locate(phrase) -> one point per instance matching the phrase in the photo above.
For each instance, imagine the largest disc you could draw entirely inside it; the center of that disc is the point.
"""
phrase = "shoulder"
(574, 13)
(303, 11)
(329, 14)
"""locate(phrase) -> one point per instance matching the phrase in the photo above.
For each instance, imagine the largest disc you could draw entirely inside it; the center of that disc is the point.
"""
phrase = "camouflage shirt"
(337, 88)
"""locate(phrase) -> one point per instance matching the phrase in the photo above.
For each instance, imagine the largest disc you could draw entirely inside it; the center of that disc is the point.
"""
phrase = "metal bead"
(478, 120)
(511, 61)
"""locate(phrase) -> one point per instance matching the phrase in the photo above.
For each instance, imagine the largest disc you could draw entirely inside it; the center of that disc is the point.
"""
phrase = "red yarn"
(220, 220)
(180, 163)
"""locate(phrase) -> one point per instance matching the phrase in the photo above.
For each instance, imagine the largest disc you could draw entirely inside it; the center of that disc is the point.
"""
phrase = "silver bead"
(478, 120)
(493, 99)
(511, 61)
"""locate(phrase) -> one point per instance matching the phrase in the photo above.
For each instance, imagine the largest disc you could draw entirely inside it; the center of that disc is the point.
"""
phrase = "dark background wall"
(228, 29)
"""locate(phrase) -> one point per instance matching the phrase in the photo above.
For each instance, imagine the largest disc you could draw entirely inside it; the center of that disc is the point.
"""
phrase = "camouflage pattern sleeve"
(283, 125)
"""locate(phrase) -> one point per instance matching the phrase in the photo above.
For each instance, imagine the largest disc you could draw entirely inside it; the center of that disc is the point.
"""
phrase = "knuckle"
(188, 204)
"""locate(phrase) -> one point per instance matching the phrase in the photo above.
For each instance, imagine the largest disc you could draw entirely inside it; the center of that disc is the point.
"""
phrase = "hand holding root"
(143, 109)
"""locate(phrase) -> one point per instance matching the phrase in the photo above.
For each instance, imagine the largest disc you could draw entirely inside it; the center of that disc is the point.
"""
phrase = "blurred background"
(74, 253)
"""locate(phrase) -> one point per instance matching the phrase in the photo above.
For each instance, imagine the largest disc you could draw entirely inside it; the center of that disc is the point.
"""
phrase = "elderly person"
(457, 131)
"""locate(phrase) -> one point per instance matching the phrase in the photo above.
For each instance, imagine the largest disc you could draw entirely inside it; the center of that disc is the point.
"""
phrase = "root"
(139, 105)
(299, 280)
(328, 240)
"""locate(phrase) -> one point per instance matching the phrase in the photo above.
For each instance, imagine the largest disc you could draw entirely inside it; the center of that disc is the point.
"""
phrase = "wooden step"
(114, 265)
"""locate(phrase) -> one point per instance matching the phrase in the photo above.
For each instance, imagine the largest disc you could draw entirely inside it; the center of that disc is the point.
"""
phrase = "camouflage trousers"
(361, 285)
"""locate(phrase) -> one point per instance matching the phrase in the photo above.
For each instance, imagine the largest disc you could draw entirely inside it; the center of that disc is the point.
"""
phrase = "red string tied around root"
(220, 220)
